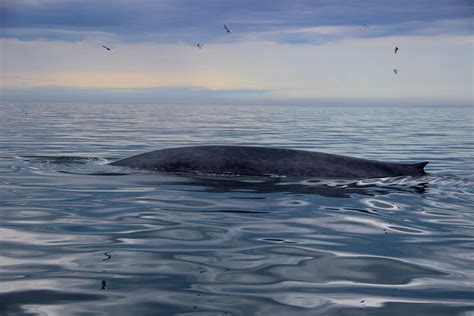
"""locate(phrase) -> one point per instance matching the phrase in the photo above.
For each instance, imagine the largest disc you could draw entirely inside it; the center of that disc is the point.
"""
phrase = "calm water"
(80, 237)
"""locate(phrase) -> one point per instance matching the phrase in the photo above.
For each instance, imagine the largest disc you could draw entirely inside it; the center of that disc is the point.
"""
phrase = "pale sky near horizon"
(280, 51)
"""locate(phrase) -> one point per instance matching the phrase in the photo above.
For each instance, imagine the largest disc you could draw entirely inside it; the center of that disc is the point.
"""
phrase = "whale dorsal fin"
(421, 165)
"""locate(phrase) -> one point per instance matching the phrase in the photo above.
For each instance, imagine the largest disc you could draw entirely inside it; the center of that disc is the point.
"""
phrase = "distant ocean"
(80, 237)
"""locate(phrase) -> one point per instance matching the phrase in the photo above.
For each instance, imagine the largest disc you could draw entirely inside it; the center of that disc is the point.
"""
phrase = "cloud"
(202, 21)
(329, 33)
(278, 49)
(160, 95)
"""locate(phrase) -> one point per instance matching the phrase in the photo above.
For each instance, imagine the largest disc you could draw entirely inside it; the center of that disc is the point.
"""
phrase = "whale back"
(264, 161)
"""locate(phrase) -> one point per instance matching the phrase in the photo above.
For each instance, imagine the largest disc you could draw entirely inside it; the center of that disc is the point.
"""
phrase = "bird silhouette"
(396, 49)
(226, 29)
(395, 71)
(200, 46)
(365, 25)
(107, 48)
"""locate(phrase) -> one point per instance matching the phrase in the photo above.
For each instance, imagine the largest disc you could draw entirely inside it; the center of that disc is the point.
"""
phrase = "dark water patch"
(192, 203)
(236, 211)
(96, 173)
(359, 210)
(13, 302)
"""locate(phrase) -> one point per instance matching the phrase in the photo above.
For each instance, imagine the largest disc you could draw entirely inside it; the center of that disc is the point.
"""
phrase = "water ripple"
(78, 236)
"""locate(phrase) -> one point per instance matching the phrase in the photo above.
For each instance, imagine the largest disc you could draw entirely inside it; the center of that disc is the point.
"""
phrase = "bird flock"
(200, 46)
(227, 30)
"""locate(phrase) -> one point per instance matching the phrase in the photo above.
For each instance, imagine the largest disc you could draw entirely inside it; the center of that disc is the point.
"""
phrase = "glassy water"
(80, 237)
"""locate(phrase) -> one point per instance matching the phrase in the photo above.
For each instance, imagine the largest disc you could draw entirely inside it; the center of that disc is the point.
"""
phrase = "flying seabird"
(365, 25)
(226, 28)
(200, 46)
(395, 71)
(396, 49)
(107, 48)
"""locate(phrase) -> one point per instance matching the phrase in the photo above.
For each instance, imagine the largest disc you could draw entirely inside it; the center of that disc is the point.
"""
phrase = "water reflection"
(326, 188)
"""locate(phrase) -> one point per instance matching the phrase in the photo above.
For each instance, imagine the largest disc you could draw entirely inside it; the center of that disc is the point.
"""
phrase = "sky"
(278, 51)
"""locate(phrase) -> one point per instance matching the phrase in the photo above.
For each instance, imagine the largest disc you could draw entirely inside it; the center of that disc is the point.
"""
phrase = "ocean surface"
(80, 237)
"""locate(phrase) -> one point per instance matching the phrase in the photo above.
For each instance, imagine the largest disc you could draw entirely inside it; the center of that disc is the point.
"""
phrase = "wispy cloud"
(332, 33)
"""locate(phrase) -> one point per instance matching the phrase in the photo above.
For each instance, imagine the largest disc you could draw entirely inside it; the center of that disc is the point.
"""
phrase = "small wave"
(62, 159)
(72, 165)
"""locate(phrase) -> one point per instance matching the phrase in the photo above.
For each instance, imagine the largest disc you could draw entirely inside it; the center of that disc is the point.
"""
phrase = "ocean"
(80, 237)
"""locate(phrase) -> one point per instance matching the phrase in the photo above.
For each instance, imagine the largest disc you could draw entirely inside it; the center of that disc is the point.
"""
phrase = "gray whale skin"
(264, 161)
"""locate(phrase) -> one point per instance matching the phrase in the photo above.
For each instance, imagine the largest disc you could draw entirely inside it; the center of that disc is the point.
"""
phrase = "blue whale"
(264, 161)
